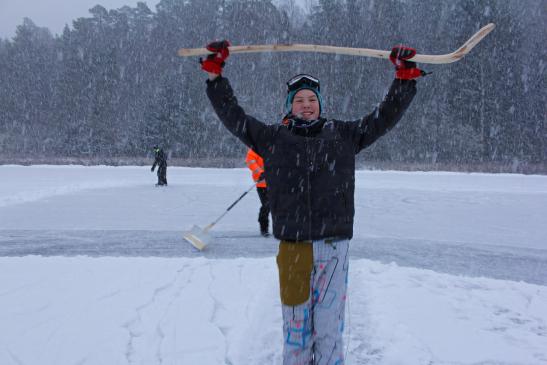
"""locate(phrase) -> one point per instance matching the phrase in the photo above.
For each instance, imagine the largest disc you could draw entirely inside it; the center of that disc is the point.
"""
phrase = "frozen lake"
(445, 269)
(472, 224)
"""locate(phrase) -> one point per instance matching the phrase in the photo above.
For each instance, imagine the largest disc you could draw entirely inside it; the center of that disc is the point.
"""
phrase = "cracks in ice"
(109, 295)
(217, 305)
(19, 288)
(14, 357)
(176, 295)
(133, 325)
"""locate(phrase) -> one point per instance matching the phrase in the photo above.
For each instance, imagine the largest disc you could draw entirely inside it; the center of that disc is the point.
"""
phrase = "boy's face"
(305, 105)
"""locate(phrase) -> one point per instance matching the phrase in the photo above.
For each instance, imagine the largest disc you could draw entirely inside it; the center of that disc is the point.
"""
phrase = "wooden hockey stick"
(366, 52)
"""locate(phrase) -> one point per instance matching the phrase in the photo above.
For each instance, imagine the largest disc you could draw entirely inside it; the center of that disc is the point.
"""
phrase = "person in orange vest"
(256, 165)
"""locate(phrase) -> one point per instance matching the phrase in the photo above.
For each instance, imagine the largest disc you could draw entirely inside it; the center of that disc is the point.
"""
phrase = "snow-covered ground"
(446, 269)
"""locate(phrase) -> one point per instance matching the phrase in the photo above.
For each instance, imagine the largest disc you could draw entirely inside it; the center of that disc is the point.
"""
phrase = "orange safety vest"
(255, 163)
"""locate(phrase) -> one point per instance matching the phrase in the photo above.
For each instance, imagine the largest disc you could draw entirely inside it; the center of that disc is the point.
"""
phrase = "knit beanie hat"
(302, 82)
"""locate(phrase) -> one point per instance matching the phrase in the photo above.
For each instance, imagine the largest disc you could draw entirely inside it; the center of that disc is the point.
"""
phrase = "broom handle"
(207, 228)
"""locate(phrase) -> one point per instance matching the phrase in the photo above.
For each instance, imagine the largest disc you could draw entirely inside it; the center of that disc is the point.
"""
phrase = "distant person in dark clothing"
(256, 165)
(161, 162)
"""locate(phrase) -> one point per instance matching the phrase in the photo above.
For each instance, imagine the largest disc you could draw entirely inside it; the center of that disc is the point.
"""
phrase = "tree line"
(111, 85)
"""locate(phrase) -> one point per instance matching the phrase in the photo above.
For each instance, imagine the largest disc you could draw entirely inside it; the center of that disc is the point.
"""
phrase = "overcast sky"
(53, 14)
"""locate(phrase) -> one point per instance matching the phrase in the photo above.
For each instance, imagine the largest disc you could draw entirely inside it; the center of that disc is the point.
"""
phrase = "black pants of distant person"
(264, 211)
(162, 175)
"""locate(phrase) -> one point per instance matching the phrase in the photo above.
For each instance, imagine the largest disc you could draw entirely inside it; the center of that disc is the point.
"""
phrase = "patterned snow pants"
(313, 330)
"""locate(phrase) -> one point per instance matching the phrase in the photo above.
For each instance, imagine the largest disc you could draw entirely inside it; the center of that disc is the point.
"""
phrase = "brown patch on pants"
(295, 264)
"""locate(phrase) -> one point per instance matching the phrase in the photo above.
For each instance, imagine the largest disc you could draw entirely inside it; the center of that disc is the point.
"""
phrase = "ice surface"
(446, 269)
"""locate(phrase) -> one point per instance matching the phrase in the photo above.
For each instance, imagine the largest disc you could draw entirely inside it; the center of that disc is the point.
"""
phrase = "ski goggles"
(303, 81)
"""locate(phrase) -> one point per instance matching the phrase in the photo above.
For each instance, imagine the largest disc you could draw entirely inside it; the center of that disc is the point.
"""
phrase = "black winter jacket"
(160, 160)
(310, 167)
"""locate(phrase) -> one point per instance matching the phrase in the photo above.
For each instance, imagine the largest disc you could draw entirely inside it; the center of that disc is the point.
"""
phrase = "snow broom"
(366, 52)
(199, 238)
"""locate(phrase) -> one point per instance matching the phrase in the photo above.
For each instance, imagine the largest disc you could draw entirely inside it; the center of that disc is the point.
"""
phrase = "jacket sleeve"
(366, 131)
(247, 129)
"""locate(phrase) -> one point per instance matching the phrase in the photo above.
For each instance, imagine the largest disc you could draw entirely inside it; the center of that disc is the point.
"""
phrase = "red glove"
(405, 70)
(215, 61)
